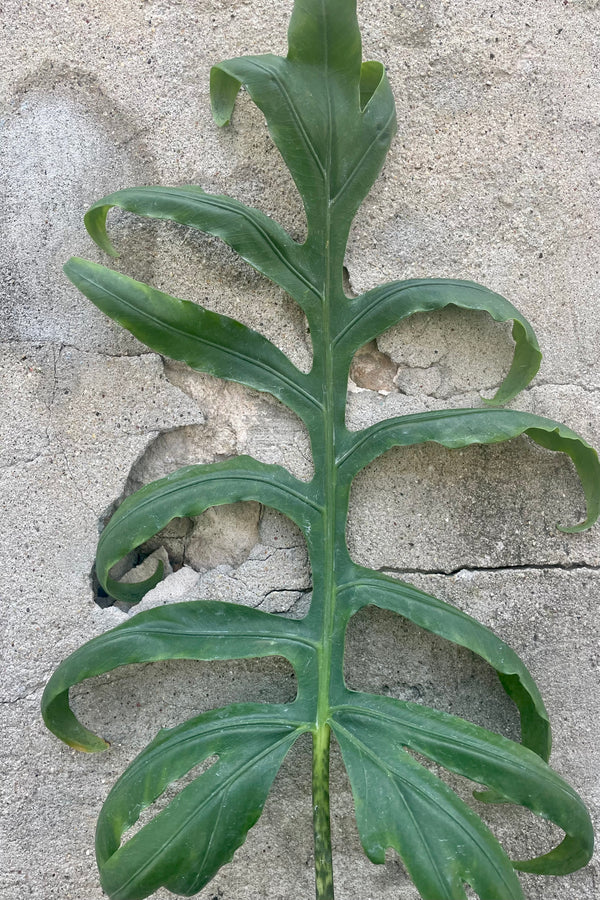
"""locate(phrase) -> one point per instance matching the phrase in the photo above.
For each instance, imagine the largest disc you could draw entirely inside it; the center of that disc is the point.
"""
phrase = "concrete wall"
(493, 177)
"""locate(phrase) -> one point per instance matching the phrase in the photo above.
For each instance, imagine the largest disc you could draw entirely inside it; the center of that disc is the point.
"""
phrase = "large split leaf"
(374, 733)
(187, 842)
(332, 117)
(387, 305)
(400, 804)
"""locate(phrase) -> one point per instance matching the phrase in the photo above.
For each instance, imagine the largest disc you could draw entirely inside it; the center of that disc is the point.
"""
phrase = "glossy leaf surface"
(511, 770)
(184, 845)
(401, 804)
(332, 117)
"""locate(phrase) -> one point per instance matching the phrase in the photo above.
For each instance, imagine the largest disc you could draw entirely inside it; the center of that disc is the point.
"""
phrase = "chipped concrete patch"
(94, 428)
(99, 401)
(372, 370)
(272, 579)
(256, 424)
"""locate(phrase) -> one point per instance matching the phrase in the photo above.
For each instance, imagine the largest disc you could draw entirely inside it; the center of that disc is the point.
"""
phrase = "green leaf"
(326, 35)
(189, 492)
(384, 306)
(183, 846)
(205, 340)
(331, 118)
(195, 630)
(454, 428)
(258, 239)
(373, 589)
(400, 804)
(387, 726)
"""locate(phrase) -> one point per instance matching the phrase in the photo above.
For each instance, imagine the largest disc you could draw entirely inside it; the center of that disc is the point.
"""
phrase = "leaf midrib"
(379, 428)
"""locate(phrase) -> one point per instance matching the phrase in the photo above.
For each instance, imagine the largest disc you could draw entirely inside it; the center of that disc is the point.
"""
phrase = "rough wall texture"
(493, 177)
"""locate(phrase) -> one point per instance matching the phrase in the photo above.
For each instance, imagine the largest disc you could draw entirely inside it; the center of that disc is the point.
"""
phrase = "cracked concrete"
(493, 177)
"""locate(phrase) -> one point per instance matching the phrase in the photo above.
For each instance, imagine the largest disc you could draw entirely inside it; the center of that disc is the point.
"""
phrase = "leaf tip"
(70, 265)
(223, 92)
(576, 529)
(99, 746)
(95, 224)
(133, 592)
(497, 400)
(490, 796)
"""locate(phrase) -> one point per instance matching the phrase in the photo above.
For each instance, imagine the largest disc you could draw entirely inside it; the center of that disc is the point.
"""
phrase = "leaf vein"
(450, 813)
(353, 174)
(489, 751)
(222, 786)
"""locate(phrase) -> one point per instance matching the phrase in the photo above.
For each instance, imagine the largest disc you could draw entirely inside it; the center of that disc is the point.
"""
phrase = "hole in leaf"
(193, 266)
(171, 791)
(509, 823)
(276, 856)
(386, 654)
(129, 705)
(354, 874)
(273, 576)
(452, 351)
(373, 370)
(259, 177)
(521, 833)
(431, 510)
(347, 284)
(431, 358)
(256, 556)
(238, 420)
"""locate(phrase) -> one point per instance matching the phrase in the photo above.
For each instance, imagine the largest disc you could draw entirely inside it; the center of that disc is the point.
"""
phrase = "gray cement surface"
(493, 177)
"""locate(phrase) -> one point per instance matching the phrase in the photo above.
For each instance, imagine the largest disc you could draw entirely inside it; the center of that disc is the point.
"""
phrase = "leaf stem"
(321, 817)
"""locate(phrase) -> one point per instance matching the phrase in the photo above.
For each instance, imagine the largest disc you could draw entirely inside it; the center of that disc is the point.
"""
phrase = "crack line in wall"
(531, 567)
